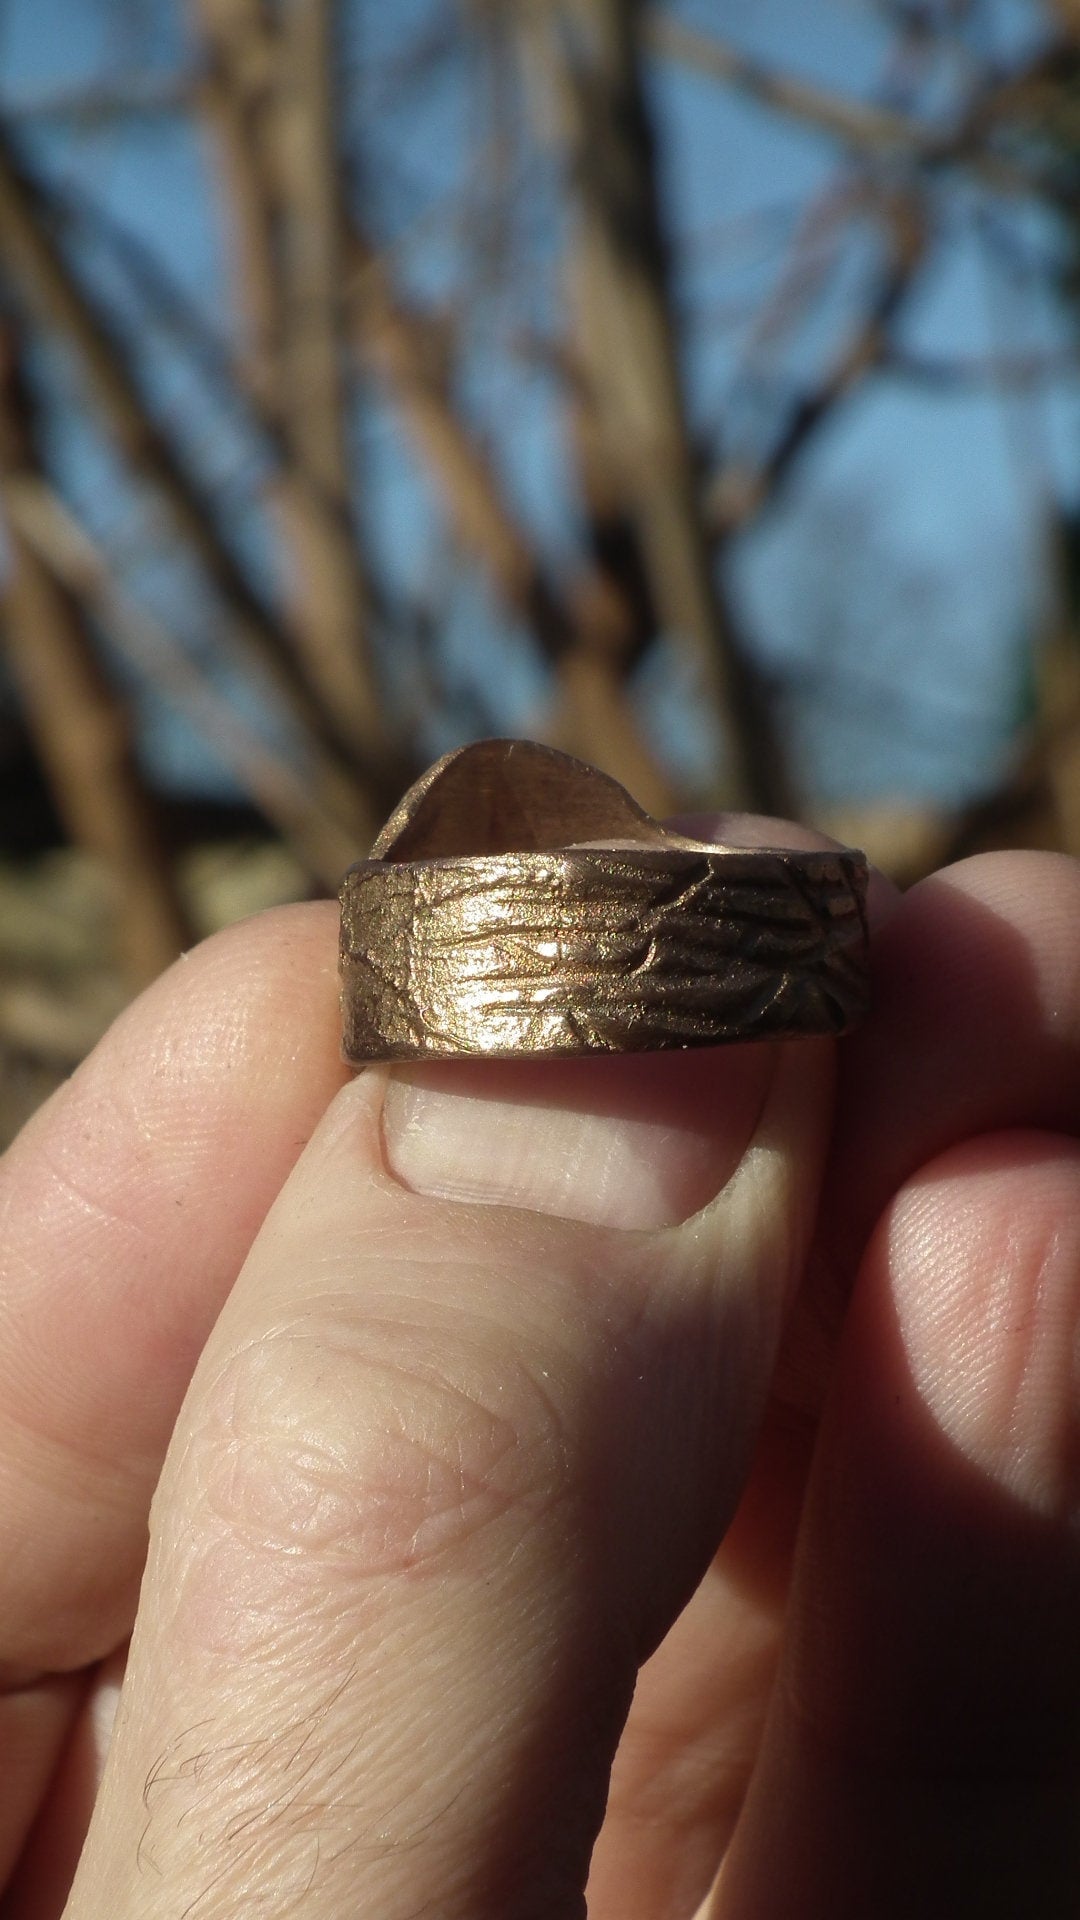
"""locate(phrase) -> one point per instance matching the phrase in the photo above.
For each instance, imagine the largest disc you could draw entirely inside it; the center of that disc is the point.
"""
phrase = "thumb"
(462, 1442)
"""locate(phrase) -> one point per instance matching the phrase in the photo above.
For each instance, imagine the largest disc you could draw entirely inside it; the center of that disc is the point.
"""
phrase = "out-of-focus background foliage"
(693, 386)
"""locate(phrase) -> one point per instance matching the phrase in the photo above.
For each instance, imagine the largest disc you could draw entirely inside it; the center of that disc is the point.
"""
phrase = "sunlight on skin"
(976, 1027)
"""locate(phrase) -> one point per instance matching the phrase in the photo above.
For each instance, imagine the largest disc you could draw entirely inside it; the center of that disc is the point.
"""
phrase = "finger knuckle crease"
(364, 1454)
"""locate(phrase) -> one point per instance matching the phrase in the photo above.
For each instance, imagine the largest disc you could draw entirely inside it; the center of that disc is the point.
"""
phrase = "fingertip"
(921, 1750)
(974, 1025)
(938, 1572)
(991, 937)
(982, 1251)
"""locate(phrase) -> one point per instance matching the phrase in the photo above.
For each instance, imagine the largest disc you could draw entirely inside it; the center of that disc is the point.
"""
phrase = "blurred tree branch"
(269, 98)
(970, 140)
(590, 52)
(288, 215)
(960, 372)
(736, 495)
(79, 720)
(855, 123)
(123, 97)
(49, 289)
(581, 628)
(48, 529)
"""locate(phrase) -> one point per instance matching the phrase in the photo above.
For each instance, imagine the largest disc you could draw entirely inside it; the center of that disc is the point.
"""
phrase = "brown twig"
(736, 494)
(269, 100)
(49, 288)
(50, 530)
(878, 132)
(79, 720)
(854, 122)
(590, 53)
(577, 627)
(1036, 368)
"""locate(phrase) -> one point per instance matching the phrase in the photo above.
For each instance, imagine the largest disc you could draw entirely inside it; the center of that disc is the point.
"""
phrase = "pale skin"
(750, 1378)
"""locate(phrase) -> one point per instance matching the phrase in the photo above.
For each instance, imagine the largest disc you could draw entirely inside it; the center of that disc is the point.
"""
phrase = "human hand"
(446, 1471)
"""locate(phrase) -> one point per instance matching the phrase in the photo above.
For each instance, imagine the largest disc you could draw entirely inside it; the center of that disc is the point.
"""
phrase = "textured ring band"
(519, 902)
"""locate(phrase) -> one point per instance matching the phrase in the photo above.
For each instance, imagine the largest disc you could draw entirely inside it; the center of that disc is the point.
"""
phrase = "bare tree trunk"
(590, 51)
(271, 106)
(79, 722)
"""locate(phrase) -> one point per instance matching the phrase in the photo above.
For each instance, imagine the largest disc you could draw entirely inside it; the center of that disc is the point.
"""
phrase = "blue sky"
(895, 584)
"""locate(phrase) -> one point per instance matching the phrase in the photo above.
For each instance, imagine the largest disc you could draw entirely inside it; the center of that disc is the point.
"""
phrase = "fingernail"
(638, 1141)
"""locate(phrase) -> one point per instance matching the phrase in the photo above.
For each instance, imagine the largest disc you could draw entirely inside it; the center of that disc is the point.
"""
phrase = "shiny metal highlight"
(519, 902)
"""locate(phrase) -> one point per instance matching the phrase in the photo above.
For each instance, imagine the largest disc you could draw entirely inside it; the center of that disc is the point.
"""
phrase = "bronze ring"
(519, 902)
